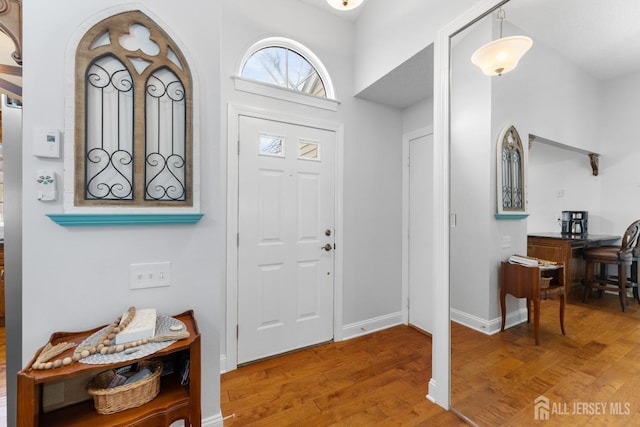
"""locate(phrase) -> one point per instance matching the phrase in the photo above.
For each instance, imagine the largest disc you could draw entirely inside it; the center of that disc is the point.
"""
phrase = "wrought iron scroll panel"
(165, 142)
(109, 131)
(512, 171)
(134, 137)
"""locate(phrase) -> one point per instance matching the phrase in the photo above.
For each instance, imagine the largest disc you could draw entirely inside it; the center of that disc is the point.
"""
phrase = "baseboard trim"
(352, 330)
(368, 326)
(223, 363)
(214, 421)
(485, 326)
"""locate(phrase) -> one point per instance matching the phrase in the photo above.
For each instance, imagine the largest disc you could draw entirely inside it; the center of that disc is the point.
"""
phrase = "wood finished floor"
(381, 379)
(375, 380)
(496, 379)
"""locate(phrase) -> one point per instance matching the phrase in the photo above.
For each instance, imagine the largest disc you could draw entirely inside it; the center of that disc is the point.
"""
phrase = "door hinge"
(238, 147)
(237, 331)
(237, 239)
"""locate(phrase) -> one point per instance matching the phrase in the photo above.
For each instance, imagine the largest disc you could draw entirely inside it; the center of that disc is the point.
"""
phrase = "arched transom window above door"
(133, 117)
(283, 68)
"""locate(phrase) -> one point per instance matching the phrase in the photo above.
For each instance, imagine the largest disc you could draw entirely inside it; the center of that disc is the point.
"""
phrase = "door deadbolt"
(327, 247)
(327, 232)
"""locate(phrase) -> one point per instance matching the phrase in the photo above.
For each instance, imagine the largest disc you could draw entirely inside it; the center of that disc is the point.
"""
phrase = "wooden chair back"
(630, 247)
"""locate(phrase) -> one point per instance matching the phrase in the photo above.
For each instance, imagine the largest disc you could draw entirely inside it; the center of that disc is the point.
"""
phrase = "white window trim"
(285, 94)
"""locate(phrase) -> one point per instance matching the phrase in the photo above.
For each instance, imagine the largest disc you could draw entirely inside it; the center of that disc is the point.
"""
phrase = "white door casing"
(286, 209)
(420, 312)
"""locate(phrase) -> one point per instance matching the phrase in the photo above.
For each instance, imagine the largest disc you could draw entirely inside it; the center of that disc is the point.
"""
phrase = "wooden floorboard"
(496, 379)
(380, 379)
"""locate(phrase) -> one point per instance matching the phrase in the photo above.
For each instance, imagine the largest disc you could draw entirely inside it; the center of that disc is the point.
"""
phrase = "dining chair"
(625, 257)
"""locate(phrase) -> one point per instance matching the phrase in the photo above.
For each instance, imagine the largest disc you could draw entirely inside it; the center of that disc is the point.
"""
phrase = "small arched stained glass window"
(287, 64)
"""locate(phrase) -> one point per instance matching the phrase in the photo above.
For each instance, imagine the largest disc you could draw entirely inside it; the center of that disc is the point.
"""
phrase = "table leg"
(588, 281)
(503, 308)
(536, 319)
(562, 314)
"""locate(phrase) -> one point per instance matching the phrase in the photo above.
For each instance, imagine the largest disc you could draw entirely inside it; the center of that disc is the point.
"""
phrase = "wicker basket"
(545, 282)
(116, 399)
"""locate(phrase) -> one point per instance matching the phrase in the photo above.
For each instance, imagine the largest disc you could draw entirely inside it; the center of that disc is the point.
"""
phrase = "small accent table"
(174, 402)
(526, 282)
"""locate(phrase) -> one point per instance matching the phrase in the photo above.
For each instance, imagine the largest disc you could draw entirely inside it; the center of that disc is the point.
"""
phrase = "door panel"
(286, 202)
(421, 232)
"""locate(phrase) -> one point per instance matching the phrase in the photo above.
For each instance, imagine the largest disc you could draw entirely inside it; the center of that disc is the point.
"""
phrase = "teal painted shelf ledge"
(89, 219)
(512, 216)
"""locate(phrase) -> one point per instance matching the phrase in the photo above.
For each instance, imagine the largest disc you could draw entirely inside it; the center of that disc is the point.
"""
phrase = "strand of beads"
(103, 347)
(50, 351)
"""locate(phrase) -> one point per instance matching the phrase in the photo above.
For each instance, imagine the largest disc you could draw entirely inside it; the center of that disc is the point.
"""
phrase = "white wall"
(557, 102)
(594, 115)
(554, 170)
(77, 278)
(417, 116)
(620, 153)
(389, 33)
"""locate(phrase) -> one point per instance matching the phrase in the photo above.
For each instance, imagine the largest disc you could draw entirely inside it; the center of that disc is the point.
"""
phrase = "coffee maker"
(574, 223)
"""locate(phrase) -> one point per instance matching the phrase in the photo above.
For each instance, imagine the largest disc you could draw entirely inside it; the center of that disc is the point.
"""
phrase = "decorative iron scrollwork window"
(511, 173)
(133, 143)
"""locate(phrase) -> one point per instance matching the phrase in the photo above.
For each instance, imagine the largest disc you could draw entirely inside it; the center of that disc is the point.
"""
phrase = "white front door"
(286, 237)
(421, 232)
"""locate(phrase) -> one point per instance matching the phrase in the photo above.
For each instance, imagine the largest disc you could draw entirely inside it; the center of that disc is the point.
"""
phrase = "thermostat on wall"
(46, 143)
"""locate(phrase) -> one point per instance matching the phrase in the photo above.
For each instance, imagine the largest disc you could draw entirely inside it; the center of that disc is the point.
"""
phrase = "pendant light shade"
(345, 4)
(502, 55)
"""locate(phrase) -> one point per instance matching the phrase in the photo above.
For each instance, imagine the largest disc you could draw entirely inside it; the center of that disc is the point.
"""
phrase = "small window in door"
(308, 150)
(271, 145)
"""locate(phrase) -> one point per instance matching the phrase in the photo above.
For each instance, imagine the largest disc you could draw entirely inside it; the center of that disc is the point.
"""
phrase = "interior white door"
(286, 237)
(421, 232)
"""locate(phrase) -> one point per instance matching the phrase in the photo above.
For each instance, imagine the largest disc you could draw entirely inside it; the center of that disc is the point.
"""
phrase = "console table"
(174, 402)
(566, 249)
(526, 282)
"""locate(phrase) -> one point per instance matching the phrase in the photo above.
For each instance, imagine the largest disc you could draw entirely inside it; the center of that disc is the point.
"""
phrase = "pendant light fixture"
(345, 4)
(502, 55)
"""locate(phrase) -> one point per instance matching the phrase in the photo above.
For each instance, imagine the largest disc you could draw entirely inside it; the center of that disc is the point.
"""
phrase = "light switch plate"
(150, 275)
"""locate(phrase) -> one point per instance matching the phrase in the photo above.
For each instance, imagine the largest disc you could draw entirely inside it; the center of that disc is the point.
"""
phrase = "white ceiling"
(351, 15)
(600, 36)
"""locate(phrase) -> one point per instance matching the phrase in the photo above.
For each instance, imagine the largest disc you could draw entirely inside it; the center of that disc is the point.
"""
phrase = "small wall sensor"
(46, 185)
(46, 143)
